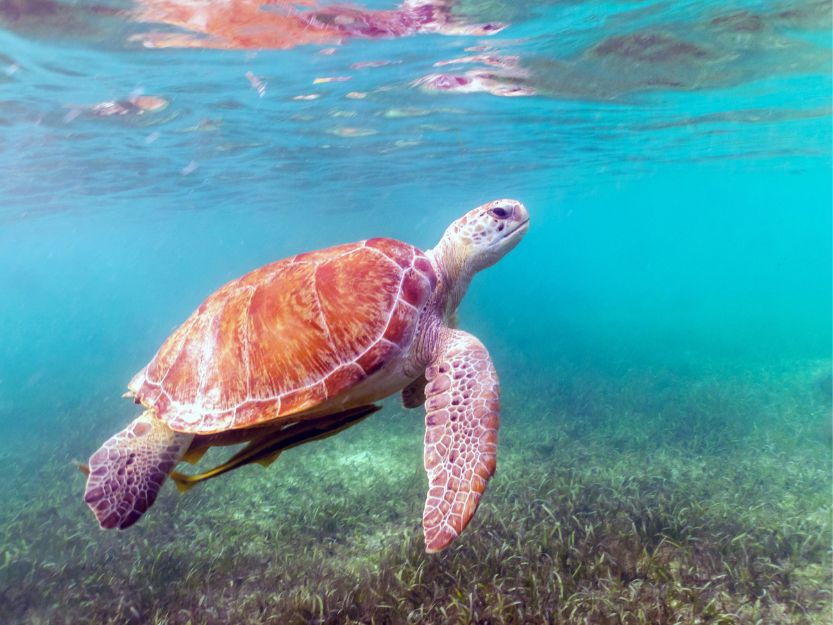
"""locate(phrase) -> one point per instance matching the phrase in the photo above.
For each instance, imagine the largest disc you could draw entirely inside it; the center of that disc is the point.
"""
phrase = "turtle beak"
(517, 221)
(521, 216)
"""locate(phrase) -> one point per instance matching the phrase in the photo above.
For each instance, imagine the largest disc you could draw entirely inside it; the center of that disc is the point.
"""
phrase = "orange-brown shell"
(288, 336)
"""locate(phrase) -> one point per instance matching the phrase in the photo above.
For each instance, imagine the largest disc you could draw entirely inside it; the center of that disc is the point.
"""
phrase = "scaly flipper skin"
(462, 419)
(128, 469)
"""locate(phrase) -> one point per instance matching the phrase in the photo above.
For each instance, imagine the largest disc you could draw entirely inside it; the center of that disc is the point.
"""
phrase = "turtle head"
(475, 241)
(485, 234)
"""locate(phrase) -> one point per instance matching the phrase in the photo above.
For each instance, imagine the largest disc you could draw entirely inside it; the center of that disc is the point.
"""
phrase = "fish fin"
(183, 482)
(83, 468)
(265, 461)
(193, 456)
(265, 449)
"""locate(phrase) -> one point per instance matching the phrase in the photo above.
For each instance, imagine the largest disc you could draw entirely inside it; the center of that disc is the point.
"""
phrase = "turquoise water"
(678, 181)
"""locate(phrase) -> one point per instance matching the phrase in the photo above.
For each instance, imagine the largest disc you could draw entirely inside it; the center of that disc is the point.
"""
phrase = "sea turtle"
(282, 24)
(302, 348)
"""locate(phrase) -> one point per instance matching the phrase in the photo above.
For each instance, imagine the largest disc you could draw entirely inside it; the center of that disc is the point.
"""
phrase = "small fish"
(353, 132)
(257, 83)
(326, 79)
(497, 83)
(406, 112)
(506, 62)
(370, 64)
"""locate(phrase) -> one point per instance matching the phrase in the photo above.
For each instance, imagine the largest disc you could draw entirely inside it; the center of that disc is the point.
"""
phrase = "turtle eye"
(500, 212)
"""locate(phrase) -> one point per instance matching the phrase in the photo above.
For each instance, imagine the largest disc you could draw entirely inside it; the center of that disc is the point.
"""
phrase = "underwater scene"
(445, 312)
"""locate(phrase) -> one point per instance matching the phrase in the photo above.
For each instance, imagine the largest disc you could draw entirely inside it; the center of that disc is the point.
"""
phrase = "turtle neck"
(455, 273)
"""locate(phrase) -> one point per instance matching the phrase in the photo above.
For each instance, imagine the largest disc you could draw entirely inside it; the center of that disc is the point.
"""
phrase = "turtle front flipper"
(461, 423)
(126, 472)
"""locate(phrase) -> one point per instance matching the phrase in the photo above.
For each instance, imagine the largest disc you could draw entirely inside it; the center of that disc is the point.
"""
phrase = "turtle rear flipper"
(126, 472)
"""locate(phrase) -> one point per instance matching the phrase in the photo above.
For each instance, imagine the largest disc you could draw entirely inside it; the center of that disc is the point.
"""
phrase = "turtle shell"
(287, 337)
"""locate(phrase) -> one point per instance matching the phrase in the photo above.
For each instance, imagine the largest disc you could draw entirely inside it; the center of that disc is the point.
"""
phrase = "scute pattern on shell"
(288, 336)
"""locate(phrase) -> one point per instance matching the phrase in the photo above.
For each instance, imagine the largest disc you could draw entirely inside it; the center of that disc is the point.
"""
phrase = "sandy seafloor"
(618, 499)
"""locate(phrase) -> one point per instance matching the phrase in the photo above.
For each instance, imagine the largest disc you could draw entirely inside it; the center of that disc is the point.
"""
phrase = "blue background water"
(678, 226)
(672, 225)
